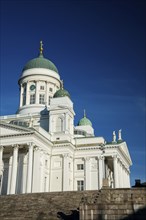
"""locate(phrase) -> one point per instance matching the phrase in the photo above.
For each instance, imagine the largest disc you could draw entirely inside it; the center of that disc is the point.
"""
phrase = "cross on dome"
(41, 47)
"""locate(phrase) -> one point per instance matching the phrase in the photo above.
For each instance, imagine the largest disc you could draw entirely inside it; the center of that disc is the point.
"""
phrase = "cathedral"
(41, 150)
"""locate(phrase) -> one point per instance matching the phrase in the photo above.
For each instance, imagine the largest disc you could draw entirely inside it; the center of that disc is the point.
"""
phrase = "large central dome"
(40, 62)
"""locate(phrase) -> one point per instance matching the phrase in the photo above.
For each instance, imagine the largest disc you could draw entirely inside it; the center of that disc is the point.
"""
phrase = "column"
(1, 167)
(103, 168)
(100, 171)
(21, 95)
(27, 94)
(14, 170)
(29, 169)
(1, 160)
(128, 178)
(87, 173)
(36, 170)
(65, 172)
(121, 175)
(115, 171)
(9, 174)
(37, 93)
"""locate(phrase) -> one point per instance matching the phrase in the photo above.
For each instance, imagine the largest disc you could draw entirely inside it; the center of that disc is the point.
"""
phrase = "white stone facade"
(41, 150)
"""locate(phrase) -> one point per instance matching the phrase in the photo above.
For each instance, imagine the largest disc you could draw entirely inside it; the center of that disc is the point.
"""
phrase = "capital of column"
(115, 157)
(15, 146)
(87, 159)
(65, 155)
(101, 157)
(36, 148)
(30, 144)
(1, 147)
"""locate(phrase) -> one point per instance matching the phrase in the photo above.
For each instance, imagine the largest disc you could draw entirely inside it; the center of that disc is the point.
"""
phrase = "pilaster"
(66, 172)
(87, 174)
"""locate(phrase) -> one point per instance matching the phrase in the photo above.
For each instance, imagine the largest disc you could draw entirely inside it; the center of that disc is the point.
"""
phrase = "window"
(50, 89)
(24, 100)
(42, 99)
(42, 88)
(49, 100)
(80, 166)
(32, 98)
(80, 185)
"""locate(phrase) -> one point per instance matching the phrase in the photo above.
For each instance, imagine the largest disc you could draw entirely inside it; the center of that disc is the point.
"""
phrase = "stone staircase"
(39, 206)
(105, 204)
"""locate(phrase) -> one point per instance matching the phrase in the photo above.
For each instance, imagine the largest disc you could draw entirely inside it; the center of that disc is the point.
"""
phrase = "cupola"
(61, 92)
(84, 121)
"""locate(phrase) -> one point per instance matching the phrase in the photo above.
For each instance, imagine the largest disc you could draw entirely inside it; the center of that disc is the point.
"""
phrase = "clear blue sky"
(99, 50)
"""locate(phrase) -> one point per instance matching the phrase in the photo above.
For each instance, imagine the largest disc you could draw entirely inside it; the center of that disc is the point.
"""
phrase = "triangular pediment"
(8, 129)
(125, 151)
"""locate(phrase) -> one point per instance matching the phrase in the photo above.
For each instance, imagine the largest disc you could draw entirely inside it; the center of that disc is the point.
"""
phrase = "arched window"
(59, 124)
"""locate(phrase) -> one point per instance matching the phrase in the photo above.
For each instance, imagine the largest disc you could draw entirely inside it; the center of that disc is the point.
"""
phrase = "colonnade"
(118, 169)
(121, 173)
(13, 167)
(121, 178)
(26, 91)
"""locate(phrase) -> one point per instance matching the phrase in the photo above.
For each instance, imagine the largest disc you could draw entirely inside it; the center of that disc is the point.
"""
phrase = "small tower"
(61, 114)
(84, 126)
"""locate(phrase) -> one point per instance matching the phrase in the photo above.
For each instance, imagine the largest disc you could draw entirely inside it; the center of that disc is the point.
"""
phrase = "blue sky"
(99, 50)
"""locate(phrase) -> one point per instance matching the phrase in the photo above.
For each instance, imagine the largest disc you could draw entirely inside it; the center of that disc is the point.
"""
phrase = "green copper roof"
(61, 93)
(40, 62)
(84, 121)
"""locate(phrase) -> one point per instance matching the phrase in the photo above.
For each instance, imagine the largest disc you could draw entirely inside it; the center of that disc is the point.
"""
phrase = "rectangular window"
(42, 88)
(42, 99)
(80, 185)
(50, 89)
(80, 166)
(49, 100)
(32, 99)
(24, 100)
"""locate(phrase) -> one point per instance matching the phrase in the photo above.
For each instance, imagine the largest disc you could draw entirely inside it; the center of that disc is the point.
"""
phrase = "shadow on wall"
(60, 215)
(139, 215)
(73, 216)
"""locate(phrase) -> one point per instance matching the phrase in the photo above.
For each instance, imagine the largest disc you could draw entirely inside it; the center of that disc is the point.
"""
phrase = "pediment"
(8, 129)
(125, 150)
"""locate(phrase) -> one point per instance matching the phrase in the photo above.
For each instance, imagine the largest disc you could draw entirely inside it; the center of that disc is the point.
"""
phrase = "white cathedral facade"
(41, 150)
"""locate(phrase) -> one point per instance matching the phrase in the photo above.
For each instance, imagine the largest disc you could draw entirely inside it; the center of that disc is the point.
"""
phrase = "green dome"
(84, 121)
(61, 93)
(40, 62)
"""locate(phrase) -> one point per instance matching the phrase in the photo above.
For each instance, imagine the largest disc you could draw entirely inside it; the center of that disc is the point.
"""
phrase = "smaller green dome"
(84, 121)
(61, 93)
